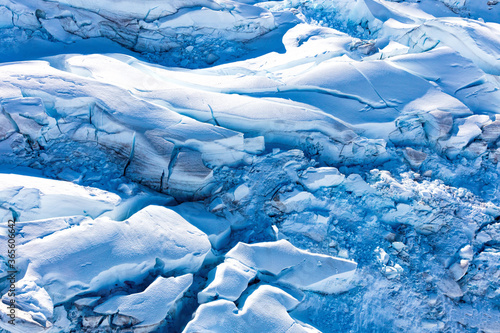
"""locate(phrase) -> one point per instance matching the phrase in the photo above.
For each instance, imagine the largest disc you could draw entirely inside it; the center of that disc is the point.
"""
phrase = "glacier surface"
(250, 166)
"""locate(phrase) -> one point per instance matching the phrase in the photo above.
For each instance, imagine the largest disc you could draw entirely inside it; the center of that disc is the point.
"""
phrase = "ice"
(265, 310)
(478, 41)
(34, 301)
(153, 151)
(278, 166)
(398, 246)
(229, 281)
(241, 192)
(31, 230)
(280, 262)
(61, 321)
(491, 132)
(313, 178)
(5, 18)
(152, 26)
(24, 321)
(393, 49)
(297, 201)
(216, 228)
(450, 288)
(414, 157)
(147, 10)
(35, 198)
(314, 226)
(188, 175)
(82, 250)
(459, 269)
(231, 112)
(153, 304)
(467, 131)
(467, 252)
(357, 185)
(438, 124)
(469, 84)
(87, 301)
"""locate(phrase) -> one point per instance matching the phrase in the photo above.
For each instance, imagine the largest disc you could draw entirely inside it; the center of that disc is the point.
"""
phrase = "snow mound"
(74, 261)
(150, 306)
(281, 263)
(264, 310)
(35, 198)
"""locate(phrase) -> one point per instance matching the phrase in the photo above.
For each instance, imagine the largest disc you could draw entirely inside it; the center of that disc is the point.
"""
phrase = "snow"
(151, 26)
(270, 305)
(314, 178)
(216, 228)
(153, 304)
(264, 166)
(38, 198)
(288, 265)
(82, 250)
(414, 157)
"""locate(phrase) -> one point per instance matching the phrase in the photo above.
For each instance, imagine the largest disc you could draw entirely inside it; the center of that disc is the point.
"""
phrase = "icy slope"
(149, 26)
(306, 166)
(86, 115)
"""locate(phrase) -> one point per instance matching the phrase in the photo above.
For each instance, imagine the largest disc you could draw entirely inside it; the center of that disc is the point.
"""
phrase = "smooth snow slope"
(251, 166)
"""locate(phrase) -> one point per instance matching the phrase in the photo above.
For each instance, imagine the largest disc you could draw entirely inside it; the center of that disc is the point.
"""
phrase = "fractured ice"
(251, 166)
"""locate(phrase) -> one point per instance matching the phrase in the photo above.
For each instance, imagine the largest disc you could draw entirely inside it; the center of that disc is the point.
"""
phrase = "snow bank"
(35, 198)
(150, 26)
(265, 310)
(153, 304)
(76, 261)
(281, 263)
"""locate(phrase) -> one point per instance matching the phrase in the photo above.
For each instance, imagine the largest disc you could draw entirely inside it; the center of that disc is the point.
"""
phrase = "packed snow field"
(250, 166)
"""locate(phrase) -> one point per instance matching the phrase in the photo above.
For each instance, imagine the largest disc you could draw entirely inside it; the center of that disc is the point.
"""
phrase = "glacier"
(250, 166)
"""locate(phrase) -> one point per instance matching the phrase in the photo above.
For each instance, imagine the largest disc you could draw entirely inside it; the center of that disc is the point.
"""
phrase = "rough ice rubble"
(409, 216)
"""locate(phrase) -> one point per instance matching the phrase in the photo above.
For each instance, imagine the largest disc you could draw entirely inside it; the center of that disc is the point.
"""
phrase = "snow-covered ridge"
(146, 26)
(141, 117)
(197, 33)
